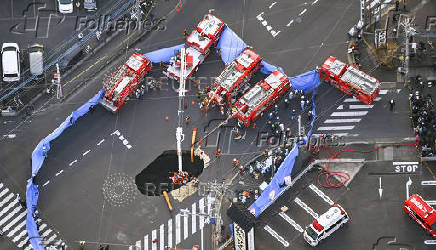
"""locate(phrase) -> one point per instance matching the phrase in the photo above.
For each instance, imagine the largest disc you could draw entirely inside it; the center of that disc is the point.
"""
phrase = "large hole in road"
(155, 178)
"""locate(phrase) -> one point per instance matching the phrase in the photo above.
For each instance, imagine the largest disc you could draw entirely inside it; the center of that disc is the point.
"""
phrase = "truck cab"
(421, 212)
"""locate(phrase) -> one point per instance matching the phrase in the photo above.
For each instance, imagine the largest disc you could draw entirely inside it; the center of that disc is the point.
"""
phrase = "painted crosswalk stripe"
(276, 235)
(201, 206)
(350, 113)
(185, 226)
(170, 233)
(52, 238)
(361, 106)
(6, 200)
(177, 229)
(383, 92)
(21, 244)
(308, 209)
(354, 99)
(336, 128)
(4, 191)
(18, 227)
(1, 185)
(343, 120)
(162, 237)
(46, 233)
(340, 107)
(138, 245)
(291, 221)
(146, 242)
(29, 247)
(194, 218)
(21, 234)
(321, 194)
(153, 237)
(9, 206)
(10, 215)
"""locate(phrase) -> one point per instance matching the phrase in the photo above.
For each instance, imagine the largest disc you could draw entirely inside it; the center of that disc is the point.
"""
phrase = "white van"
(65, 6)
(11, 62)
(325, 225)
(36, 59)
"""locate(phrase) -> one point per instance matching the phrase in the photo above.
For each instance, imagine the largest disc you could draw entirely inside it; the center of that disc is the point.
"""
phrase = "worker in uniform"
(235, 162)
(276, 109)
(286, 102)
(188, 119)
(185, 33)
(309, 115)
(234, 110)
(218, 152)
(44, 151)
(392, 104)
(302, 102)
(270, 116)
(291, 95)
(293, 114)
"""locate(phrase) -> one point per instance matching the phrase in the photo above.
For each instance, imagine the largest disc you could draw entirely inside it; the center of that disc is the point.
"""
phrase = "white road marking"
(308, 209)
(6, 199)
(121, 137)
(353, 113)
(185, 226)
(10, 215)
(170, 233)
(16, 238)
(276, 235)
(4, 191)
(11, 233)
(292, 222)
(335, 128)
(129, 146)
(272, 5)
(146, 242)
(405, 163)
(383, 92)
(290, 22)
(201, 206)
(138, 245)
(86, 152)
(162, 237)
(354, 99)
(71, 163)
(60, 172)
(340, 107)
(194, 218)
(15, 220)
(177, 229)
(1, 185)
(21, 244)
(302, 12)
(361, 106)
(116, 132)
(45, 184)
(314, 2)
(100, 142)
(321, 194)
(153, 237)
(342, 120)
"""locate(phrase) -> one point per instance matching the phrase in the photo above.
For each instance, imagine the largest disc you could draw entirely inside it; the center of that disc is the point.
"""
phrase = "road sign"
(428, 183)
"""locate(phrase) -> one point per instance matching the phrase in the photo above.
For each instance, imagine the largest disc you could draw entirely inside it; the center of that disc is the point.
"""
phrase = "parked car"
(90, 5)
(36, 59)
(11, 62)
(65, 6)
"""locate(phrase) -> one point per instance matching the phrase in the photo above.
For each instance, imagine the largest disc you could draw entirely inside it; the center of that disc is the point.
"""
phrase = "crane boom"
(179, 130)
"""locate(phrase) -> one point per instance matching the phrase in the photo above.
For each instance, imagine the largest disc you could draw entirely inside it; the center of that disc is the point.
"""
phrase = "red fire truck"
(422, 213)
(234, 77)
(350, 80)
(261, 97)
(125, 81)
(198, 45)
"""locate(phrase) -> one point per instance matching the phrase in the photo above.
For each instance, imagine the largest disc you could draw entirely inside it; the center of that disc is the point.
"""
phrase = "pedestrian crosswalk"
(346, 116)
(292, 218)
(177, 229)
(13, 223)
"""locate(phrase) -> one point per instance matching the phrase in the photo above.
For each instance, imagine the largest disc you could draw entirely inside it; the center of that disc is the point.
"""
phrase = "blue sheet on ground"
(38, 156)
(277, 184)
(268, 68)
(230, 45)
(306, 81)
(163, 55)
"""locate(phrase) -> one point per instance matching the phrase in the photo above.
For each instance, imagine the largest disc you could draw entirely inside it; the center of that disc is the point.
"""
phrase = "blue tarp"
(277, 184)
(163, 55)
(268, 68)
(307, 81)
(230, 45)
(38, 156)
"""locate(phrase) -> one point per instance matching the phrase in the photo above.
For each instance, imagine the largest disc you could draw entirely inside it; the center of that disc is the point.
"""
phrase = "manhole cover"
(119, 189)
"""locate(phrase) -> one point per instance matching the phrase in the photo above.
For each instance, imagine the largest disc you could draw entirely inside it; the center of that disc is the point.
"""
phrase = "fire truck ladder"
(111, 84)
(179, 130)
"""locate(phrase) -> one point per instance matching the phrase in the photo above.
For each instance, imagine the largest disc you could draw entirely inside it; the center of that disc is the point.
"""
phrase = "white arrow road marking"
(408, 183)
(292, 222)
(276, 235)
(380, 190)
(340, 107)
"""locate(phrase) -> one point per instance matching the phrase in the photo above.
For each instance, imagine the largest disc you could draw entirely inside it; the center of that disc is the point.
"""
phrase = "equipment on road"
(350, 80)
(421, 212)
(198, 45)
(125, 81)
(234, 78)
(261, 97)
(167, 199)
(325, 225)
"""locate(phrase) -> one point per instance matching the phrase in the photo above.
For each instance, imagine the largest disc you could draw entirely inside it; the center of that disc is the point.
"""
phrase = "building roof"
(239, 214)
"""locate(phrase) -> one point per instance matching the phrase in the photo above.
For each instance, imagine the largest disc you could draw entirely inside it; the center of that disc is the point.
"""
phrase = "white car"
(11, 62)
(65, 6)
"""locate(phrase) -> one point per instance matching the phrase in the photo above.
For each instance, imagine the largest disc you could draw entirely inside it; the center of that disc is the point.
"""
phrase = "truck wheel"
(137, 94)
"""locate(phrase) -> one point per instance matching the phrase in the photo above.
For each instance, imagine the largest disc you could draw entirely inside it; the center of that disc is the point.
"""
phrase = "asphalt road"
(74, 200)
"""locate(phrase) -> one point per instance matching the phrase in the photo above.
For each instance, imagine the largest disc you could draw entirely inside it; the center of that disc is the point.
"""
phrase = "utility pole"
(408, 32)
(58, 84)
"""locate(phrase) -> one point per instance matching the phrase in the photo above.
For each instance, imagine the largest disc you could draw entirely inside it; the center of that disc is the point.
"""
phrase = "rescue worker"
(302, 103)
(218, 153)
(235, 162)
(309, 115)
(286, 102)
(234, 110)
(291, 95)
(392, 104)
(188, 119)
(276, 109)
(44, 151)
(185, 33)
(270, 116)
(293, 114)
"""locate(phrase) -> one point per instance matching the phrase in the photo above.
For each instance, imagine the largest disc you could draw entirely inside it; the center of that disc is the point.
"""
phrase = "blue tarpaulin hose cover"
(269, 68)
(38, 156)
(163, 55)
(277, 185)
(230, 45)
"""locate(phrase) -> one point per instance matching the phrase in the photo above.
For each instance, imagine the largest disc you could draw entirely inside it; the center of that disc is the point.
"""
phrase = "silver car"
(36, 59)
(90, 5)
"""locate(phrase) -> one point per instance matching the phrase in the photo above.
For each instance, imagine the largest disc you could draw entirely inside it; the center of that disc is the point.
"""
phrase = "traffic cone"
(166, 118)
